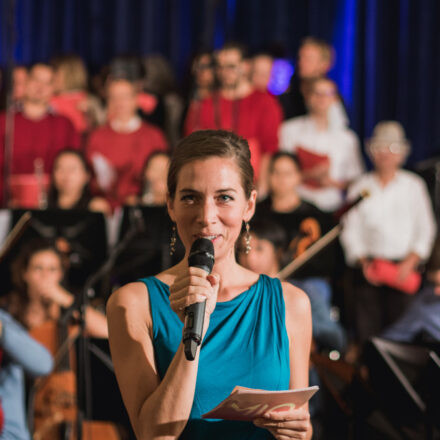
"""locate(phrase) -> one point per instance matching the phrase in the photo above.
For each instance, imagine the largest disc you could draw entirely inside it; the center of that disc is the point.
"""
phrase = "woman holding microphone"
(257, 330)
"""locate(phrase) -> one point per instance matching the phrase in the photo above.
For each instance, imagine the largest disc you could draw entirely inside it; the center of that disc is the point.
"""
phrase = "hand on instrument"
(283, 425)
(195, 285)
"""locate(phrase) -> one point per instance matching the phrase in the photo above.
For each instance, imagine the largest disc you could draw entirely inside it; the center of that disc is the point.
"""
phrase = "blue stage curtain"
(387, 52)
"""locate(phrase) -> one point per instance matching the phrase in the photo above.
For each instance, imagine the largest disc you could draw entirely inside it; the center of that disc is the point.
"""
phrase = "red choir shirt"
(120, 157)
(43, 139)
(256, 117)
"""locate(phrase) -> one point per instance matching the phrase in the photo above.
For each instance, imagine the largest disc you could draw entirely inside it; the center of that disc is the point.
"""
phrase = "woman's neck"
(68, 201)
(286, 202)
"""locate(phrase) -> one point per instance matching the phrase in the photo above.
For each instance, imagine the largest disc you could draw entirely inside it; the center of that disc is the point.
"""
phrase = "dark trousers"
(376, 307)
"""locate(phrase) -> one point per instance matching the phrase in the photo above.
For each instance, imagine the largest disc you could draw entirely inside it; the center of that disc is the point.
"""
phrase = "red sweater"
(36, 139)
(126, 153)
(256, 117)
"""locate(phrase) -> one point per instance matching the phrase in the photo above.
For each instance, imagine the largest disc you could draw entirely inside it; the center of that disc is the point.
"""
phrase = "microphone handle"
(192, 334)
(194, 318)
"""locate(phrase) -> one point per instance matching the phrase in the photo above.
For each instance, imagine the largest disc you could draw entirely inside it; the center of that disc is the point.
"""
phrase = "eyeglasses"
(388, 147)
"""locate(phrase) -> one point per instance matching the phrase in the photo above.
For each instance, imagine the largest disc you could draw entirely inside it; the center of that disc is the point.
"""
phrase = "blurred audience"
(159, 80)
(150, 106)
(201, 84)
(119, 149)
(71, 97)
(330, 156)
(19, 80)
(395, 223)
(238, 107)
(70, 184)
(38, 133)
(154, 181)
(203, 76)
(261, 71)
(315, 59)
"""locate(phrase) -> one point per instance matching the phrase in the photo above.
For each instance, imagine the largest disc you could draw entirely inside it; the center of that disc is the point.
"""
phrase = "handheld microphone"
(202, 256)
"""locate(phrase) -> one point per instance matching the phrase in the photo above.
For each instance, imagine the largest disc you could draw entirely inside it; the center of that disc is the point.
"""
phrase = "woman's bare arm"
(157, 408)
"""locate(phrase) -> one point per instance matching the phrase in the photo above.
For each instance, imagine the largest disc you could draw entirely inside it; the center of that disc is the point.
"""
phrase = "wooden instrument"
(318, 245)
(54, 396)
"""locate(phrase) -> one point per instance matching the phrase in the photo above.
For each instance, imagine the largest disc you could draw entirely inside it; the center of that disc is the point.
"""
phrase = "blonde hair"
(74, 71)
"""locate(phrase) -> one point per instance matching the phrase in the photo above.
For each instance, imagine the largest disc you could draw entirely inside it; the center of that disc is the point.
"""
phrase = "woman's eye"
(188, 198)
(225, 198)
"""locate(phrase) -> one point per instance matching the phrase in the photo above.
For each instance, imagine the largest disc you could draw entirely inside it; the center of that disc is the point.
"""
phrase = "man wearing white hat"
(396, 224)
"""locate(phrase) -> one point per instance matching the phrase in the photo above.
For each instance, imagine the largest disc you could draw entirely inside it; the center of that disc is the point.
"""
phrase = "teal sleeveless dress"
(246, 344)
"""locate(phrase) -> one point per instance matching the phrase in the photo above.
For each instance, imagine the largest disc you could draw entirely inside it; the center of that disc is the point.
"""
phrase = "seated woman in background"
(70, 185)
(303, 223)
(38, 294)
(154, 181)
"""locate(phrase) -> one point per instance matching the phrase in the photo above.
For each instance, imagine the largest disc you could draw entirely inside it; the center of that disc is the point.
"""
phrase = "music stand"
(148, 253)
(403, 377)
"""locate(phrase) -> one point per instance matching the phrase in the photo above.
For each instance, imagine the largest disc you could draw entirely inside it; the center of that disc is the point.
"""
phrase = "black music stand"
(406, 379)
(148, 253)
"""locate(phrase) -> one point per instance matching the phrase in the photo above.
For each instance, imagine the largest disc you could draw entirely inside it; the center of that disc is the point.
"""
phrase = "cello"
(53, 399)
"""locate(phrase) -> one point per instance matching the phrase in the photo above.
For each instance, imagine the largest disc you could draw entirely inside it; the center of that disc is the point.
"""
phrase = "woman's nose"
(208, 212)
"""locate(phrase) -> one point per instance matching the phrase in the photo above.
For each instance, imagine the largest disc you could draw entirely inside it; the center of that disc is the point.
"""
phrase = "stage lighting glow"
(282, 71)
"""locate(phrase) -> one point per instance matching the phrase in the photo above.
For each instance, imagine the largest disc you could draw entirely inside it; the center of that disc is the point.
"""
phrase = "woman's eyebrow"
(190, 190)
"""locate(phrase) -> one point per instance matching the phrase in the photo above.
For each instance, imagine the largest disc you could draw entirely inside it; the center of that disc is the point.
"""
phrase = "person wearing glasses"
(394, 224)
(237, 106)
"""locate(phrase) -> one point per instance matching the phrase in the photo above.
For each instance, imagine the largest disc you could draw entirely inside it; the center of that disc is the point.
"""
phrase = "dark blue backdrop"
(388, 52)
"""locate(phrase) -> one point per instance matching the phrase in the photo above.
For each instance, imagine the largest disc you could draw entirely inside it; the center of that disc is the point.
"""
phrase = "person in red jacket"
(238, 107)
(118, 150)
(38, 133)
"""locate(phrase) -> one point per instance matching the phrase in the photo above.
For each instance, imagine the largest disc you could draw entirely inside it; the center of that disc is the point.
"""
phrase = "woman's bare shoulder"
(296, 300)
(130, 298)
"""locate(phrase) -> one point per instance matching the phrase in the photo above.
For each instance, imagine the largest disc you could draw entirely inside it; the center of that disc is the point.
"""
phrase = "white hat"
(391, 133)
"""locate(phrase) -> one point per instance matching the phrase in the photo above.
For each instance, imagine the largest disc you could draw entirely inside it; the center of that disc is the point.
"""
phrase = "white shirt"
(340, 144)
(392, 222)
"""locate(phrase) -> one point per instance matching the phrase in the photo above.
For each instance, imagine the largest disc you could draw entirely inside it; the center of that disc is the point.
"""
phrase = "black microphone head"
(202, 254)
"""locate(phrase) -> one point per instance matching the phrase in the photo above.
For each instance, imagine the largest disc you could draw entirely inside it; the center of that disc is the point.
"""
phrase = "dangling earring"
(247, 238)
(173, 240)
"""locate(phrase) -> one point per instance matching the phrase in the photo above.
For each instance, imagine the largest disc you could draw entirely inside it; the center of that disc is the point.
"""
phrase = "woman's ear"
(170, 207)
(250, 208)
